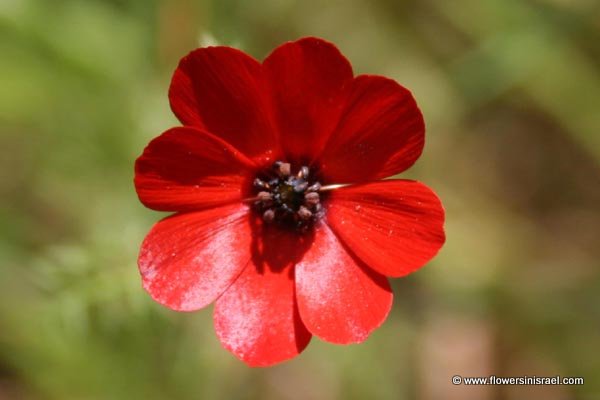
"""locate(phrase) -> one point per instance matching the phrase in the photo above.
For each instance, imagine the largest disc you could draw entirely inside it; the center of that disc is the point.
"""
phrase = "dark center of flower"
(288, 199)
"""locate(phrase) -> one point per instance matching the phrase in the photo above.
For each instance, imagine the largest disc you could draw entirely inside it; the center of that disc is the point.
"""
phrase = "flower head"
(281, 216)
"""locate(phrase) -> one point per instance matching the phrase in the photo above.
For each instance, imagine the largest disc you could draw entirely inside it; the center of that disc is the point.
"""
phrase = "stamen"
(261, 184)
(303, 173)
(269, 216)
(288, 199)
(264, 196)
(333, 187)
(283, 169)
(315, 187)
(311, 199)
(300, 187)
(304, 213)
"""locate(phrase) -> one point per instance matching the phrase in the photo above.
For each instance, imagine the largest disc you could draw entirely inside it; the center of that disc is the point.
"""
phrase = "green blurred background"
(510, 90)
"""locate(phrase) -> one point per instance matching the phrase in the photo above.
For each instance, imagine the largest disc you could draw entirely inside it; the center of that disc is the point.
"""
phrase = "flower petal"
(220, 89)
(340, 300)
(380, 133)
(257, 317)
(394, 226)
(188, 260)
(306, 80)
(187, 169)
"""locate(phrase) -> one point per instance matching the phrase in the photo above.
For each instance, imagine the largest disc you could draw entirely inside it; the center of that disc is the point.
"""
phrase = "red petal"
(188, 260)
(306, 79)
(394, 226)
(188, 169)
(380, 133)
(220, 88)
(339, 299)
(257, 317)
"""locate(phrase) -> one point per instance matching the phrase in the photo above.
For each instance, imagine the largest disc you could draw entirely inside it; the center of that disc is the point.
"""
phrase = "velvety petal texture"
(380, 132)
(340, 300)
(305, 80)
(188, 169)
(394, 226)
(188, 260)
(221, 89)
(257, 317)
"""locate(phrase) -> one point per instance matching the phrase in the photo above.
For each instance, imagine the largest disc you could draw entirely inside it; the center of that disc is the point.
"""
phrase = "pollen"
(288, 199)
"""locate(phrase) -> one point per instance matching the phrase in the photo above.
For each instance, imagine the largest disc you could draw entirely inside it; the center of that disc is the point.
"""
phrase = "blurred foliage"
(510, 90)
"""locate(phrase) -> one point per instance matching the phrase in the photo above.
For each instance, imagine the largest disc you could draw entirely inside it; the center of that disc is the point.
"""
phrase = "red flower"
(266, 225)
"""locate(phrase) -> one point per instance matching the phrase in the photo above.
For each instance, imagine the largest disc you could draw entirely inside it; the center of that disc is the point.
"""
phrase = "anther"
(300, 187)
(282, 169)
(303, 173)
(311, 199)
(269, 216)
(264, 196)
(304, 213)
(315, 187)
(259, 183)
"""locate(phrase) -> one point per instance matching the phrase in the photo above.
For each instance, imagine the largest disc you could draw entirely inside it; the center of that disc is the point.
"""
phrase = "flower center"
(288, 199)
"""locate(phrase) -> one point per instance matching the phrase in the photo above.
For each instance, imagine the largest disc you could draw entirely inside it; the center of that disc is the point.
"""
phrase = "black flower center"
(288, 199)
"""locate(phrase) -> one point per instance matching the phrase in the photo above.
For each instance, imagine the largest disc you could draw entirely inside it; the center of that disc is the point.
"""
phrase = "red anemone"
(285, 256)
